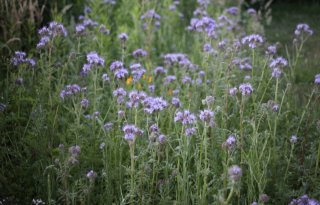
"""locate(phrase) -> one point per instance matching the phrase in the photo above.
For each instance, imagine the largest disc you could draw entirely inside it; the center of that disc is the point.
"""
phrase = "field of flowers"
(134, 102)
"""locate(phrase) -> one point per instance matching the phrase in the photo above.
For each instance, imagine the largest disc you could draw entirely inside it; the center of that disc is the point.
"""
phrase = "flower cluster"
(49, 33)
(303, 29)
(131, 132)
(93, 59)
(120, 94)
(70, 90)
(207, 116)
(304, 200)
(235, 173)
(117, 67)
(20, 58)
(151, 16)
(139, 53)
(230, 143)
(154, 104)
(135, 98)
(246, 89)
(185, 117)
(252, 40)
(205, 24)
(74, 152)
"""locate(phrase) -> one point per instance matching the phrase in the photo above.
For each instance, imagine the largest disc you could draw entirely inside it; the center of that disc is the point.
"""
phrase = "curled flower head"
(276, 73)
(185, 117)
(139, 53)
(75, 150)
(235, 173)
(94, 59)
(230, 143)
(116, 65)
(206, 116)
(108, 126)
(131, 132)
(233, 91)
(85, 103)
(91, 175)
(154, 104)
(304, 200)
(176, 102)
(252, 40)
(303, 29)
(279, 62)
(123, 37)
(293, 139)
(246, 89)
(233, 11)
(190, 131)
(120, 93)
(135, 98)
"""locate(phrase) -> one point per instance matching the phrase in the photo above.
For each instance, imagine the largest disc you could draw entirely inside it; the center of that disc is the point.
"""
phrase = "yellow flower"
(129, 80)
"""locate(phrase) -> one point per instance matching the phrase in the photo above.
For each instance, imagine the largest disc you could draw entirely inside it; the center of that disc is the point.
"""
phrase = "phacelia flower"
(185, 117)
(94, 59)
(233, 91)
(276, 73)
(233, 11)
(139, 53)
(293, 139)
(303, 29)
(279, 62)
(207, 116)
(108, 126)
(131, 132)
(135, 98)
(235, 173)
(123, 37)
(176, 102)
(154, 104)
(246, 89)
(264, 198)
(20, 58)
(85, 103)
(105, 77)
(190, 131)
(91, 175)
(252, 40)
(230, 143)
(304, 200)
(120, 93)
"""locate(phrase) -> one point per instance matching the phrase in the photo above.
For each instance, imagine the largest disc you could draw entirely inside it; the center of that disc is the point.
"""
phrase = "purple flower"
(135, 98)
(304, 200)
(176, 102)
(123, 37)
(190, 131)
(235, 173)
(209, 100)
(130, 132)
(57, 29)
(91, 175)
(233, 91)
(154, 128)
(103, 29)
(293, 139)
(233, 11)
(169, 79)
(43, 43)
(80, 29)
(230, 143)
(159, 70)
(121, 73)
(137, 74)
(207, 48)
(105, 77)
(186, 79)
(116, 65)
(185, 117)
(303, 29)
(246, 89)
(75, 150)
(85, 103)
(207, 116)
(151, 14)
(70, 90)
(139, 53)
(252, 40)
(279, 62)
(317, 79)
(108, 126)
(205, 24)
(151, 88)
(251, 11)
(120, 93)
(121, 114)
(276, 73)
(20, 58)
(154, 104)
(162, 139)
(271, 50)
(94, 59)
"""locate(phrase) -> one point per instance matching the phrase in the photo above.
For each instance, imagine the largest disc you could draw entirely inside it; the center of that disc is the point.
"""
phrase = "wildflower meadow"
(149, 102)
